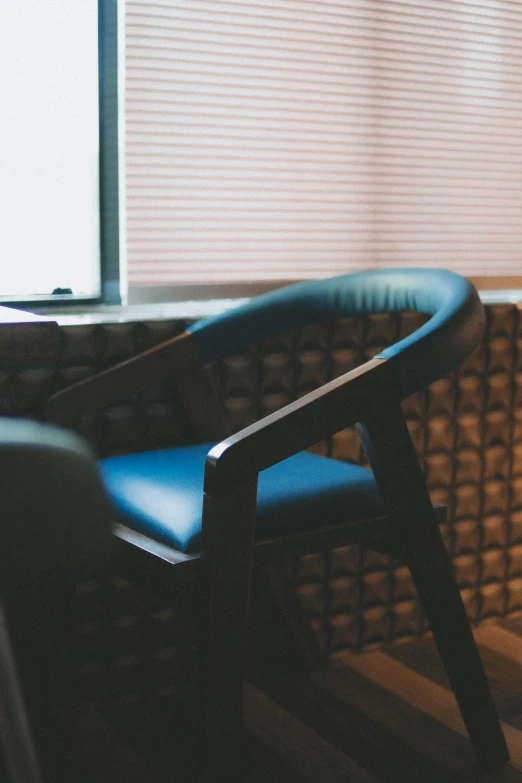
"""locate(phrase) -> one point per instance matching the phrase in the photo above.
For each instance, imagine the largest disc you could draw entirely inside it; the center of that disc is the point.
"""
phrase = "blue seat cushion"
(160, 494)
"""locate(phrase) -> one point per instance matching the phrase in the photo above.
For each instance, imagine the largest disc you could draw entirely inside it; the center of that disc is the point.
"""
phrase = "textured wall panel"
(467, 429)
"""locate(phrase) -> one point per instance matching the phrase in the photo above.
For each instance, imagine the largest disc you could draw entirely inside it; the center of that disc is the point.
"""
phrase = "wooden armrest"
(318, 415)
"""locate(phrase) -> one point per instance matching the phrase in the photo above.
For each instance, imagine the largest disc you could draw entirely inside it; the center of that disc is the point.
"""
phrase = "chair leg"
(440, 598)
(387, 442)
(228, 531)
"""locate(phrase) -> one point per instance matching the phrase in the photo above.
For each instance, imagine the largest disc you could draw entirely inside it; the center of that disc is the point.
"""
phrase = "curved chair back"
(54, 531)
(454, 329)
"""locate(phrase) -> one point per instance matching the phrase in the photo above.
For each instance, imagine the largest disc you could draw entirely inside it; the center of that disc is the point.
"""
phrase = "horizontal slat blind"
(290, 139)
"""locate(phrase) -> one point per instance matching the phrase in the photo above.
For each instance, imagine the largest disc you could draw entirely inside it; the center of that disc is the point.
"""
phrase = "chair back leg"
(387, 442)
(16, 737)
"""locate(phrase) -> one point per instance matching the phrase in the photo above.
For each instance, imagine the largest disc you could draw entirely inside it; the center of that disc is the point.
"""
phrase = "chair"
(195, 506)
(54, 531)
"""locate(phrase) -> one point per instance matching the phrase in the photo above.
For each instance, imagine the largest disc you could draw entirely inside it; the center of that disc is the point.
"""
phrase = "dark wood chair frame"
(367, 398)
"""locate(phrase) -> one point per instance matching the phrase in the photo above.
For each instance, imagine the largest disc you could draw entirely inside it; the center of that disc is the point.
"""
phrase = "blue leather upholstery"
(160, 494)
(455, 328)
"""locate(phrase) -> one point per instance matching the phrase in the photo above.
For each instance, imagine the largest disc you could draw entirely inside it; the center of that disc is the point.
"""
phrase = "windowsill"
(155, 311)
(506, 296)
(192, 310)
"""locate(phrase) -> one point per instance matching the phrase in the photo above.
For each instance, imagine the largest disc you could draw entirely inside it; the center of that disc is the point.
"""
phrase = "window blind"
(291, 139)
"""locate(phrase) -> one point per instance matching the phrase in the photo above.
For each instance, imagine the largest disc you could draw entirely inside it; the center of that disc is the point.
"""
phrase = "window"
(270, 141)
(266, 141)
(59, 169)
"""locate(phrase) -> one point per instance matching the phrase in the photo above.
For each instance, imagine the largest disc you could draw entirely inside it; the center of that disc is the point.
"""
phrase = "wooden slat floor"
(380, 717)
(390, 716)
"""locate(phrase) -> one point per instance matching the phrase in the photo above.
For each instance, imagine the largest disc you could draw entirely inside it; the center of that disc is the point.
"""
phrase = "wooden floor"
(385, 716)
(389, 715)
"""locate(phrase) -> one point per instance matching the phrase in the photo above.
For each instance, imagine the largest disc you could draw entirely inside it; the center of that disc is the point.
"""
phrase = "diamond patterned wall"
(467, 429)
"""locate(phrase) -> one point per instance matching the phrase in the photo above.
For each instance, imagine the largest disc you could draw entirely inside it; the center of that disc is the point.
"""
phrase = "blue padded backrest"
(54, 513)
(455, 328)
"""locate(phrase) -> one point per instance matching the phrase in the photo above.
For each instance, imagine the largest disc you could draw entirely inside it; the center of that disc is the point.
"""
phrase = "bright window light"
(49, 169)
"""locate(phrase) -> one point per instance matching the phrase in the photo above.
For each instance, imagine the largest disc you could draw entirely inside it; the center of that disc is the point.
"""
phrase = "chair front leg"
(227, 539)
(388, 445)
